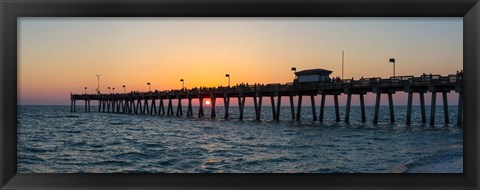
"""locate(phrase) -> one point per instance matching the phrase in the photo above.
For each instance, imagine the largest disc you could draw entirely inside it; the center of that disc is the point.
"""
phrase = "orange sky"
(62, 55)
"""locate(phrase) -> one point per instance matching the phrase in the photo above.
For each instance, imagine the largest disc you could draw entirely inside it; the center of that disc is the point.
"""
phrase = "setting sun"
(207, 102)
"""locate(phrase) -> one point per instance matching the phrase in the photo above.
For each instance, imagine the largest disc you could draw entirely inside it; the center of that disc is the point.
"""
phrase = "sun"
(207, 102)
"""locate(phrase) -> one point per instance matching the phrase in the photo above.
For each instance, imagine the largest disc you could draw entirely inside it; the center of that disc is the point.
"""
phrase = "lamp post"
(294, 69)
(228, 75)
(342, 64)
(109, 90)
(124, 89)
(85, 90)
(183, 83)
(98, 83)
(392, 60)
(149, 89)
(113, 90)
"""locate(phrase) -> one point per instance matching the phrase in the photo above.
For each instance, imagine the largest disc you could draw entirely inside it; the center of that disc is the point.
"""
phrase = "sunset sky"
(62, 55)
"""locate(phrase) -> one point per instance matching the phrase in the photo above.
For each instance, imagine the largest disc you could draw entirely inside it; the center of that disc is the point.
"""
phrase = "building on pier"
(312, 75)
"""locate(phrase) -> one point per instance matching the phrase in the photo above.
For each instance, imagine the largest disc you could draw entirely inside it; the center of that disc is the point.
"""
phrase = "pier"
(146, 102)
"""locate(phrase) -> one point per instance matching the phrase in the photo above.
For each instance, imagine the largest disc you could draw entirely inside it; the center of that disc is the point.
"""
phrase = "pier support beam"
(170, 107)
(362, 108)
(411, 90)
(299, 107)
(200, 108)
(260, 99)
(108, 106)
(241, 103)
(390, 105)
(145, 107)
(153, 108)
(255, 106)
(179, 108)
(132, 106)
(460, 109)
(138, 109)
(124, 106)
(432, 107)
(337, 111)
(114, 104)
(226, 104)
(74, 106)
(277, 117)
(189, 109)
(314, 113)
(347, 109)
(161, 107)
(422, 107)
(274, 111)
(322, 107)
(104, 105)
(99, 105)
(377, 108)
(292, 107)
(445, 108)
(409, 108)
(119, 106)
(213, 113)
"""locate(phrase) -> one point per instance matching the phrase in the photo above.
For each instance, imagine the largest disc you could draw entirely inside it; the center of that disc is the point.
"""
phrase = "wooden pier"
(146, 102)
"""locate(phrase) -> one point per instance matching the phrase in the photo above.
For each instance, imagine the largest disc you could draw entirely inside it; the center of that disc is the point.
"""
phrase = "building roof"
(312, 72)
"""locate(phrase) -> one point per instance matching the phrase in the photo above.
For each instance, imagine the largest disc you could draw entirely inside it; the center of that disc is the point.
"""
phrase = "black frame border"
(10, 10)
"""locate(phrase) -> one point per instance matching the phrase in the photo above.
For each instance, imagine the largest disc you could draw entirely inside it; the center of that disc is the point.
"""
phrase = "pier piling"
(274, 111)
(460, 109)
(213, 114)
(299, 107)
(314, 113)
(337, 110)
(255, 104)
(322, 108)
(347, 109)
(179, 108)
(445, 108)
(170, 107)
(200, 108)
(409, 108)
(362, 108)
(153, 109)
(390, 105)
(161, 107)
(260, 99)
(145, 107)
(189, 109)
(422, 107)
(279, 99)
(432, 107)
(292, 107)
(377, 108)
(226, 104)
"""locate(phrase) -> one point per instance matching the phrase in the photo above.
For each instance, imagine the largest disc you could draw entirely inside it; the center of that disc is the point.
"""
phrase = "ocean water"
(51, 139)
